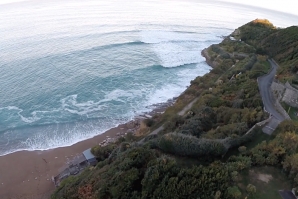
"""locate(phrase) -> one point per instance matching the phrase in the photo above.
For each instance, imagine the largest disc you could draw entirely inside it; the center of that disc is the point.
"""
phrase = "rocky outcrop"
(209, 61)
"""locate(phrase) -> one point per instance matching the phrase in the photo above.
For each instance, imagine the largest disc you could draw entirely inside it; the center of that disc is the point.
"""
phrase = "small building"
(90, 157)
(75, 166)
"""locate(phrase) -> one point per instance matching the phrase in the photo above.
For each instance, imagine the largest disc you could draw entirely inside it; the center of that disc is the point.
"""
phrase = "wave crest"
(174, 48)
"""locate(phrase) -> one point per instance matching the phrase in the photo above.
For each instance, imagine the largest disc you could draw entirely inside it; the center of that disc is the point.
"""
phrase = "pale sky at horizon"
(287, 6)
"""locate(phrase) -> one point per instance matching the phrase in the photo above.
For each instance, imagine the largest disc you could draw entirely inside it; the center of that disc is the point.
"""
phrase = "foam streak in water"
(71, 70)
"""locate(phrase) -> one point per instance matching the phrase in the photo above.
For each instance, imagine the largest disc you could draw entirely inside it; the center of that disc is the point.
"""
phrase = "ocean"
(73, 69)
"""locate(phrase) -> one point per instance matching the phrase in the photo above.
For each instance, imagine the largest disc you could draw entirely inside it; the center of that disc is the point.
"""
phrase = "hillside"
(205, 151)
(281, 44)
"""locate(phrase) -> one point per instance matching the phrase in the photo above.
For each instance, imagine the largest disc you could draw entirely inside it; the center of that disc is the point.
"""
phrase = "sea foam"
(72, 70)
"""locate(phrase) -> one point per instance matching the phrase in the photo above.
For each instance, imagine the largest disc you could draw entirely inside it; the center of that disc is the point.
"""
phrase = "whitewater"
(71, 70)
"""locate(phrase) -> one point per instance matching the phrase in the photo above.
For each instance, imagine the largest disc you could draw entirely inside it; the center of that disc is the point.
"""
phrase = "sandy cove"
(27, 174)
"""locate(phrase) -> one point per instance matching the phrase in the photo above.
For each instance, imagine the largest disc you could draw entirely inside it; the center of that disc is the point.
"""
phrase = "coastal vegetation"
(213, 149)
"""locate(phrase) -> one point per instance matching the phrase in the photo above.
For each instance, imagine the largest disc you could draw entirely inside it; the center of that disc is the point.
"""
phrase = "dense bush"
(228, 130)
(149, 122)
(102, 152)
(251, 62)
(173, 123)
(163, 179)
(203, 120)
(141, 173)
(261, 51)
(186, 145)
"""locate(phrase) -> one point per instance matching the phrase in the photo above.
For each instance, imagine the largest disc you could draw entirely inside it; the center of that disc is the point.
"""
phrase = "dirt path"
(188, 106)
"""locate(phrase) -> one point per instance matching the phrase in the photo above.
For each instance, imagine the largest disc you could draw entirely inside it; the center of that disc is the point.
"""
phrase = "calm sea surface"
(71, 69)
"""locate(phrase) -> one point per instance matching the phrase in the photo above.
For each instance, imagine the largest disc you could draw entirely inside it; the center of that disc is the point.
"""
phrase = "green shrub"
(102, 152)
(185, 145)
(149, 122)
(175, 122)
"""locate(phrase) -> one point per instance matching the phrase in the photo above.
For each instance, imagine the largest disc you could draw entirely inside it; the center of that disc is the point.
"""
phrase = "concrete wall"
(290, 96)
(259, 124)
(280, 94)
(280, 109)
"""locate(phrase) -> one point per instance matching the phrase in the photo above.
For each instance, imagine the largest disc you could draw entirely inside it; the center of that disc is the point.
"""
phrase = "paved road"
(264, 83)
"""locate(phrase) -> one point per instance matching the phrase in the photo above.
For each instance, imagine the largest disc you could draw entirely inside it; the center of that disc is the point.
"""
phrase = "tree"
(291, 165)
(234, 192)
(290, 140)
(251, 189)
(217, 195)
(186, 145)
(242, 149)
(234, 176)
(102, 152)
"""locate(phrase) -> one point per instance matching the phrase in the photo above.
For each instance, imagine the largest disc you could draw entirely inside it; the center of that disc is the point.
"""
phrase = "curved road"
(264, 84)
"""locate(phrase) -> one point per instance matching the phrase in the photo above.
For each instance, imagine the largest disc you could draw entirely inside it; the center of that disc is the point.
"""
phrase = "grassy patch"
(268, 180)
(249, 145)
(258, 139)
(265, 66)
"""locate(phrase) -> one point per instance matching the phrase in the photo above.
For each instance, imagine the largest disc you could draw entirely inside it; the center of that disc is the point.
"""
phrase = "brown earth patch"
(260, 176)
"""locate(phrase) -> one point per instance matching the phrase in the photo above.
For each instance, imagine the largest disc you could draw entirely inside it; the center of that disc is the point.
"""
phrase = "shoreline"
(156, 109)
(208, 59)
(27, 174)
(66, 145)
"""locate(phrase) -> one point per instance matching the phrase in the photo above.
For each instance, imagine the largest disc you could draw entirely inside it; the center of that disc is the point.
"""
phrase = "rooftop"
(88, 155)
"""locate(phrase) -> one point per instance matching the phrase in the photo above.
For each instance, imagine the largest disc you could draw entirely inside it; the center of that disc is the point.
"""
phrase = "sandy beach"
(27, 174)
